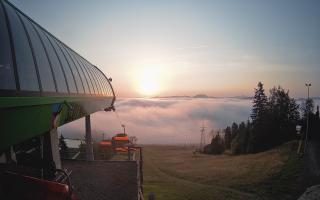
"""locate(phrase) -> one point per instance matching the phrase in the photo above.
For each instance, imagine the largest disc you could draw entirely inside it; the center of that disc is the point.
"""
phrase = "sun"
(148, 82)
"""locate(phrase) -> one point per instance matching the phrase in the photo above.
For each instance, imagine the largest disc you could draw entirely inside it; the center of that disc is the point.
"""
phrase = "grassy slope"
(173, 173)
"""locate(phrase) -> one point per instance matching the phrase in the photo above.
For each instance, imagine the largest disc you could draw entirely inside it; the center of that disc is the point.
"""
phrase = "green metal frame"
(25, 117)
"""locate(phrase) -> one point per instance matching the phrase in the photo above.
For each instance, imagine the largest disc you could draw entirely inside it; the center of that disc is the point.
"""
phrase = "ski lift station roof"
(43, 82)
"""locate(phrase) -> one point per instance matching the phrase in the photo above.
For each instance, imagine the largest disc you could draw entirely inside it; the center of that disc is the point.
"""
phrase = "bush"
(216, 147)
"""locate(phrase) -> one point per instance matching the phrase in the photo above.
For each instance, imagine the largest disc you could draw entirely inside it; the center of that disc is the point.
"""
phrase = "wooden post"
(89, 147)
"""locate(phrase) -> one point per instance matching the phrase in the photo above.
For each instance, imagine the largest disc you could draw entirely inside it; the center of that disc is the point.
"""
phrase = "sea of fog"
(164, 120)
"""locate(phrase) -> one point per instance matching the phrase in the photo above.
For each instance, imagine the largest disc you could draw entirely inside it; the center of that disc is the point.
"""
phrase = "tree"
(234, 130)
(307, 107)
(239, 144)
(260, 103)
(284, 115)
(258, 137)
(274, 121)
(227, 137)
(216, 146)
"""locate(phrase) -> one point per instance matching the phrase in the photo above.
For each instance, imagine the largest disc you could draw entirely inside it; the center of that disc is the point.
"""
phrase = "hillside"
(175, 172)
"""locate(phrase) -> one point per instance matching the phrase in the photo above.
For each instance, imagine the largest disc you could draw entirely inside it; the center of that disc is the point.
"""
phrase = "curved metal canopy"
(43, 83)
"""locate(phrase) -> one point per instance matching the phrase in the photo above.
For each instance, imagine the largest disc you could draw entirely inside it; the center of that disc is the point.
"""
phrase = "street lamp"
(308, 85)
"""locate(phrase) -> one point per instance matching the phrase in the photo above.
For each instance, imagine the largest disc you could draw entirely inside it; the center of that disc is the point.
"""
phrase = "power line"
(119, 120)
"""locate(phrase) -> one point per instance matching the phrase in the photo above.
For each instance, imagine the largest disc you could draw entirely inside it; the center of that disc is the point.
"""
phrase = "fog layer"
(163, 121)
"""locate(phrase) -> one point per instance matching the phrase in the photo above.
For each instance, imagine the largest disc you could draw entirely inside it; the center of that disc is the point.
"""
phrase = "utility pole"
(308, 85)
(202, 137)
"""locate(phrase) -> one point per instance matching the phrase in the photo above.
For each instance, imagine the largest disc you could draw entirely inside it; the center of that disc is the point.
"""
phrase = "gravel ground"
(312, 193)
(99, 180)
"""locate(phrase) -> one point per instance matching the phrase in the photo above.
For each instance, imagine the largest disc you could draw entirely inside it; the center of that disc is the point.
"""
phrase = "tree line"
(272, 122)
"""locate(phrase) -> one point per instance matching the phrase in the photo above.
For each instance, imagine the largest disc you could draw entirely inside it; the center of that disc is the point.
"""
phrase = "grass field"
(175, 172)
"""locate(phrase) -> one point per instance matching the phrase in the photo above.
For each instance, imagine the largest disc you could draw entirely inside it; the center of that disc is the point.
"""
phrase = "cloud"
(163, 121)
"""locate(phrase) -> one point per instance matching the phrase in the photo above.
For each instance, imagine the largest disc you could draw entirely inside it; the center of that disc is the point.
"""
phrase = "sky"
(183, 47)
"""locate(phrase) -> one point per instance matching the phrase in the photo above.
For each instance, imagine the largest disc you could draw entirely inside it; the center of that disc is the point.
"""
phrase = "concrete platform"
(100, 180)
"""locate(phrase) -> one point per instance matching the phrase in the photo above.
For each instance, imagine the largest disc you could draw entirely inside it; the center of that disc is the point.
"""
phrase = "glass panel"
(109, 93)
(106, 85)
(94, 81)
(25, 65)
(7, 80)
(74, 70)
(82, 76)
(98, 74)
(45, 72)
(102, 82)
(56, 67)
(85, 73)
(109, 90)
(89, 75)
(65, 65)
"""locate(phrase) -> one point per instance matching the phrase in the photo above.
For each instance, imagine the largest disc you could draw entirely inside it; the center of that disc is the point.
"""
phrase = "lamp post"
(308, 85)
(124, 128)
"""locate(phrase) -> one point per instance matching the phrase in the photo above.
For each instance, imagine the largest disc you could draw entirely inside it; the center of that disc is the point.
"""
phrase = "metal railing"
(132, 155)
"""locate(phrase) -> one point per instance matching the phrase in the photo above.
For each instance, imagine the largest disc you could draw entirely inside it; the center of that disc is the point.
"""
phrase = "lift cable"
(119, 120)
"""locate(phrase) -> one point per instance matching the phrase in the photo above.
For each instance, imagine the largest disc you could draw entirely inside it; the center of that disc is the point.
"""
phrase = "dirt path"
(170, 177)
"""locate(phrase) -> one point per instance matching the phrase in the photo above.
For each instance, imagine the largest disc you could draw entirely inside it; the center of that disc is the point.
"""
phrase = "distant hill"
(230, 97)
(201, 96)
(241, 97)
(204, 96)
(164, 97)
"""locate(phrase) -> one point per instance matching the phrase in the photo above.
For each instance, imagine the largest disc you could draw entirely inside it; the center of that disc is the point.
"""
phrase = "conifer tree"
(234, 130)
(307, 107)
(259, 138)
(284, 115)
(260, 103)
(227, 137)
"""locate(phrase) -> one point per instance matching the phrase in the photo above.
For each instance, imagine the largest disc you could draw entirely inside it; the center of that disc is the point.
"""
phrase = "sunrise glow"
(148, 82)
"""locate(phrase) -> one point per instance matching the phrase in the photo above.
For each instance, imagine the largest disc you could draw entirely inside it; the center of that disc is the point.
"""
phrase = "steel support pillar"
(89, 146)
(55, 147)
